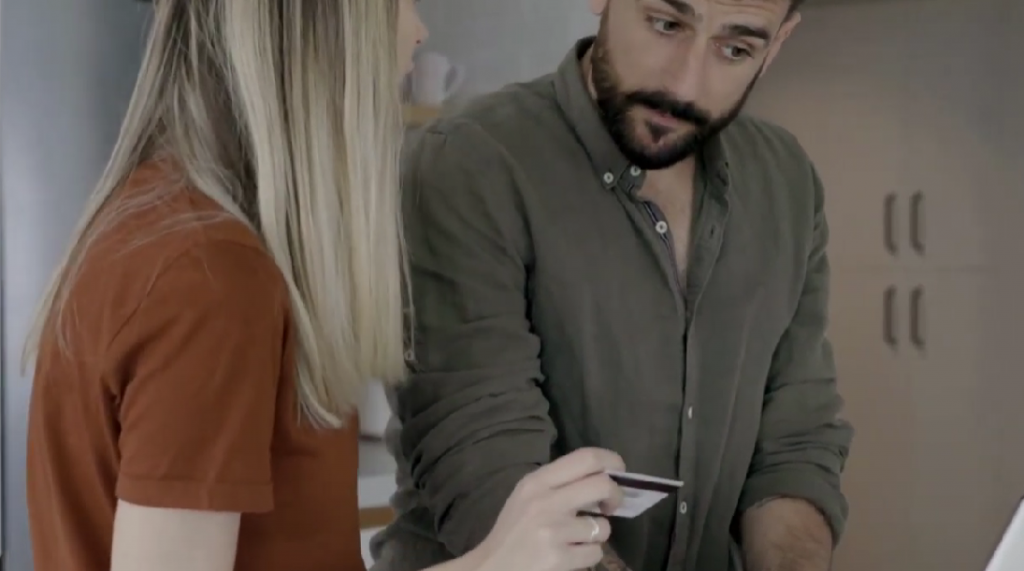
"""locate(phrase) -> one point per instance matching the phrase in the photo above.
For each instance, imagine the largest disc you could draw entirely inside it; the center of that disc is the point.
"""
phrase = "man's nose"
(686, 76)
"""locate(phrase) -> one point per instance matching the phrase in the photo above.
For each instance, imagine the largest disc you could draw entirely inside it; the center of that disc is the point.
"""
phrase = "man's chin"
(655, 162)
(658, 157)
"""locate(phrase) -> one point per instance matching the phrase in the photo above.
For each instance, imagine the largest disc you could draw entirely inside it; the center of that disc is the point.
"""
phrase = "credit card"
(640, 492)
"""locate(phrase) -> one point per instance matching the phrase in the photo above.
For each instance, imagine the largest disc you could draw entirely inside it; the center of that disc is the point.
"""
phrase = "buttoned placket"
(713, 210)
(711, 216)
(630, 186)
(686, 469)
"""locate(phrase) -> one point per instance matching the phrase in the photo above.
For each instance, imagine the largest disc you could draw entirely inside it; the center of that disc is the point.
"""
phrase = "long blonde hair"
(287, 113)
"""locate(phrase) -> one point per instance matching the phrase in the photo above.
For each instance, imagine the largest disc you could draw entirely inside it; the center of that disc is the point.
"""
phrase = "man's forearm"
(786, 534)
(610, 562)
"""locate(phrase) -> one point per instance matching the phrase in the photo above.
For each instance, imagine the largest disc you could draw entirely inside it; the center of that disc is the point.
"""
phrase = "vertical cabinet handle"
(917, 336)
(889, 317)
(888, 227)
(916, 222)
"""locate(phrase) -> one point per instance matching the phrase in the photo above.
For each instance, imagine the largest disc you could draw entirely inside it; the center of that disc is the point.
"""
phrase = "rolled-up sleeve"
(803, 443)
(474, 420)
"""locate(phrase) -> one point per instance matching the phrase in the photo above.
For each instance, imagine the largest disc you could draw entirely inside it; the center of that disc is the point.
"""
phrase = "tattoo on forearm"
(610, 562)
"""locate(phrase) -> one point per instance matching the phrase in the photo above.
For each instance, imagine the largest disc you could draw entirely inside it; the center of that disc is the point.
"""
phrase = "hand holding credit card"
(640, 492)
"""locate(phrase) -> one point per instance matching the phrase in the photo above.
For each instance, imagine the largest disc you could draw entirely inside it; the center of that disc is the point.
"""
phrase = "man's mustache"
(663, 103)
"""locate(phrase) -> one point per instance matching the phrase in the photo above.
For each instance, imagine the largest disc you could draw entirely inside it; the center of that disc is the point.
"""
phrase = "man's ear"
(780, 38)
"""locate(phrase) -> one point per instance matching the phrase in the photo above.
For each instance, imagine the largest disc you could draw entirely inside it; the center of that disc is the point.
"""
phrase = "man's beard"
(615, 105)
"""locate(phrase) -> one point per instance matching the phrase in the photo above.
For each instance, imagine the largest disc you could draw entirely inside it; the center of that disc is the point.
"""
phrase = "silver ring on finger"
(596, 529)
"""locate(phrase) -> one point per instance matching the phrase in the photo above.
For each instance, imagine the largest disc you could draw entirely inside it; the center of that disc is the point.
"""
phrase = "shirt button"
(409, 355)
(609, 178)
(661, 227)
(635, 171)
(689, 412)
(683, 508)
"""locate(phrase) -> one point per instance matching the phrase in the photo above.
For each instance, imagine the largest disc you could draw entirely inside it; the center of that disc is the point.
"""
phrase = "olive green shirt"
(549, 317)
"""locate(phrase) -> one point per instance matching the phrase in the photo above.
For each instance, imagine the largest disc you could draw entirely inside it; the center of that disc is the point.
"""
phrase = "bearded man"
(614, 255)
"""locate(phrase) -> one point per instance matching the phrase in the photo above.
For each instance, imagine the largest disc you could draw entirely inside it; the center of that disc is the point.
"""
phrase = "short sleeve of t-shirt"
(201, 363)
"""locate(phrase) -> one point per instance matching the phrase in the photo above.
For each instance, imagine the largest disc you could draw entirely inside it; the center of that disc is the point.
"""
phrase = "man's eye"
(735, 52)
(663, 26)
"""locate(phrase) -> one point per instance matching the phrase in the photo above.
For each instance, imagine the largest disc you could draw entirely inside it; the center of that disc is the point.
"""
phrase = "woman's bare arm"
(161, 539)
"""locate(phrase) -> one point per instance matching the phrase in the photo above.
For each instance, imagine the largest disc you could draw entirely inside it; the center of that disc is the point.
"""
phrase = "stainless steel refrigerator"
(67, 68)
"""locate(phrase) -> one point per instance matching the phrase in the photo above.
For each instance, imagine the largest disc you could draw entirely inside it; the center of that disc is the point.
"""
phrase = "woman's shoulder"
(156, 226)
(159, 211)
(161, 240)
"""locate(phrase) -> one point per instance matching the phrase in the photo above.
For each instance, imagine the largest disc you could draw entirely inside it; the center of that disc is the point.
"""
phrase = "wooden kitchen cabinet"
(915, 366)
(868, 339)
(853, 130)
(924, 476)
(953, 115)
(957, 179)
(957, 516)
(911, 111)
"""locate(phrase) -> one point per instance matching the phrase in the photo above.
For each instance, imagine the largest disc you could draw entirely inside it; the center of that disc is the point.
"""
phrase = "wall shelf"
(377, 517)
(419, 115)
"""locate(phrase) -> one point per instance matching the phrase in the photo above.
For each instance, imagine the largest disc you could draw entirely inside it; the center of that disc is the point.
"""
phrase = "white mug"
(435, 78)
(374, 411)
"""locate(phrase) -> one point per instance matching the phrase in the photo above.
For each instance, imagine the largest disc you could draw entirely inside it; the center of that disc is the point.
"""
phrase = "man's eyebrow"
(744, 31)
(684, 8)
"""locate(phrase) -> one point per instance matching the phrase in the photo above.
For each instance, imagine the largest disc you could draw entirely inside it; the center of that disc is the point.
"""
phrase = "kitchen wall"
(67, 69)
(501, 41)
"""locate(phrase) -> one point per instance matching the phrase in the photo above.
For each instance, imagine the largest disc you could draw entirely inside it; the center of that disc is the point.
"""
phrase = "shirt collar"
(573, 95)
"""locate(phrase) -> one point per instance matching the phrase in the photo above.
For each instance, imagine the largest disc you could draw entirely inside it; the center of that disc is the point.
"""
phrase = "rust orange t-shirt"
(177, 390)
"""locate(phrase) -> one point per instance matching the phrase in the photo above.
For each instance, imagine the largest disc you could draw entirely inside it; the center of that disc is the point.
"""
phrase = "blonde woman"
(236, 278)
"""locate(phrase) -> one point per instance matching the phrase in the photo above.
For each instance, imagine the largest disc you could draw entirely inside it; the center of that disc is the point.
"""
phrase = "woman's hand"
(540, 527)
